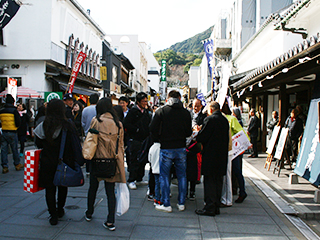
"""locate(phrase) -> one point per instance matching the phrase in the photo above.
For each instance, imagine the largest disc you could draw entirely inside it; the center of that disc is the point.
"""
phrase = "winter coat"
(24, 117)
(171, 124)
(137, 123)
(106, 144)
(77, 122)
(295, 127)
(154, 157)
(214, 136)
(49, 156)
(253, 127)
(10, 118)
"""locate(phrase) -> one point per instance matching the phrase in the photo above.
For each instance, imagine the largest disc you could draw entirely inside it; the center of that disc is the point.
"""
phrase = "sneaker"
(19, 167)
(192, 196)
(109, 226)
(132, 185)
(53, 220)
(180, 207)
(162, 208)
(5, 170)
(87, 216)
(61, 213)
(150, 197)
(156, 203)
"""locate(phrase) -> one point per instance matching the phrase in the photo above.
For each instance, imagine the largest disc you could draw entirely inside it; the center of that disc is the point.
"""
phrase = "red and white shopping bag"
(31, 171)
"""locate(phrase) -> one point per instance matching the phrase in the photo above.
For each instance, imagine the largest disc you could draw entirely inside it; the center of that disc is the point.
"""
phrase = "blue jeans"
(179, 157)
(9, 138)
(157, 187)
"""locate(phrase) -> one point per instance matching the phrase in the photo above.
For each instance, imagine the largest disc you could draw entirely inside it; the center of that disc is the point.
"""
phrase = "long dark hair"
(105, 105)
(55, 118)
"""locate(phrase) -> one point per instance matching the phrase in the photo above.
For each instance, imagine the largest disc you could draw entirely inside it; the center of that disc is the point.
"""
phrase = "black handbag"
(66, 176)
(106, 167)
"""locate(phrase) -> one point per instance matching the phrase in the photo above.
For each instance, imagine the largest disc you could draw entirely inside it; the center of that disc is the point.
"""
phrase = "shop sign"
(52, 95)
(13, 87)
(103, 73)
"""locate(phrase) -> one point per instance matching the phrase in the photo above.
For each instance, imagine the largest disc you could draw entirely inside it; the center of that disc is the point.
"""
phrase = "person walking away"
(272, 123)
(171, 124)
(10, 122)
(88, 114)
(68, 101)
(295, 125)
(23, 128)
(77, 115)
(154, 159)
(252, 131)
(48, 138)
(108, 126)
(136, 124)
(40, 115)
(124, 102)
(214, 136)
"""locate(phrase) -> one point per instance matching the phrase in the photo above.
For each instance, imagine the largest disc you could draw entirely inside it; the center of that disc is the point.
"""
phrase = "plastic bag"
(122, 198)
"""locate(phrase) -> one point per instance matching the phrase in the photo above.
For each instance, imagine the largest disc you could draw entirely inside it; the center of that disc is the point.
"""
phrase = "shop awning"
(126, 86)
(76, 89)
(23, 92)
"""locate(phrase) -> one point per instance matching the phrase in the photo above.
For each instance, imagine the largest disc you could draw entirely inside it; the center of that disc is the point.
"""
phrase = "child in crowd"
(154, 155)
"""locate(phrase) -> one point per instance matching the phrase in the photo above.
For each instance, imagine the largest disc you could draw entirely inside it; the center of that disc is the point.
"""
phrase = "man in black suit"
(214, 137)
(253, 129)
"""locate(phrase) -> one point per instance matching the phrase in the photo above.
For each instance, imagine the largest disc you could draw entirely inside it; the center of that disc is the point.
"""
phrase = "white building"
(153, 71)
(135, 51)
(41, 43)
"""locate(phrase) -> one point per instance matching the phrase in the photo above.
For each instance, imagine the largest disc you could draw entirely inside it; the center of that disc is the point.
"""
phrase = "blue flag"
(208, 48)
(200, 96)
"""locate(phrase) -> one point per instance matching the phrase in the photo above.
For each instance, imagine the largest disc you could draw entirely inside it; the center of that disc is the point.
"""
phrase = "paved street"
(24, 216)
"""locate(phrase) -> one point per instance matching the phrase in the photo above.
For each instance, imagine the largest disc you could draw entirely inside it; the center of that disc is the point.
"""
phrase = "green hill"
(193, 44)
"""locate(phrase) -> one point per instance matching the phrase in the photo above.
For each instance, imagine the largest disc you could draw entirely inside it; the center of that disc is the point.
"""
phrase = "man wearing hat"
(68, 101)
(10, 121)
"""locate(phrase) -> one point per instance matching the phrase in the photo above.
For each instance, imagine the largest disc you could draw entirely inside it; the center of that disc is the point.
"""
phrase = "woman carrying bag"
(48, 137)
(104, 143)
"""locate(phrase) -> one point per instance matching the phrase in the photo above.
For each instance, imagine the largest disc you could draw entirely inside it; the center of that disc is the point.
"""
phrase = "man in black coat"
(214, 137)
(253, 129)
(136, 124)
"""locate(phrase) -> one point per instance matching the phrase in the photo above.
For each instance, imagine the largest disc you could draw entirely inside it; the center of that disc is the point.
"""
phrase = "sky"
(159, 24)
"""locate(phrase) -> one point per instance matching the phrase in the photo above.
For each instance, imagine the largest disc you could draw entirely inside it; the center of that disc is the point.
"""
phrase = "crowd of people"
(179, 143)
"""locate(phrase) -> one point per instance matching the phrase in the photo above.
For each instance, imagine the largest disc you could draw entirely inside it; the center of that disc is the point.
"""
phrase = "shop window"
(115, 74)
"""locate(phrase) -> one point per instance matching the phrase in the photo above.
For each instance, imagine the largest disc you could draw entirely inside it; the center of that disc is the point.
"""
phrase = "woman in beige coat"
(101, 143)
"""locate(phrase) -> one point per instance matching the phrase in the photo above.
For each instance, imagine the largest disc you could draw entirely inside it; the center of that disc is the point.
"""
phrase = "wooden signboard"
(281, 143)
(273, 139)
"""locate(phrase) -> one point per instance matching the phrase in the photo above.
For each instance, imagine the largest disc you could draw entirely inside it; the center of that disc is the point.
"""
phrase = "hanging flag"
(8, 9)
(200, 96)
(75, 70)
(208, 48)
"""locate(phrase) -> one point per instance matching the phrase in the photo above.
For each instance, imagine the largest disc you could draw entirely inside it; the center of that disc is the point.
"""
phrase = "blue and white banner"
(8, 8)
(208, 48)
(308, 162)
(200, 96)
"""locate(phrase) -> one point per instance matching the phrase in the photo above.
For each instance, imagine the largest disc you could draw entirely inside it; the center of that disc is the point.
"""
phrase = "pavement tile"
(234, 218)
(29, 220)
(152, 232)
(69, 236)
(249, 236)
(95, 228)
(8, 201)
(210, 235)
(250, 228)
(27, 200)
(244, 211)
(36, 232)
(208, 224)
(168, 222)
(5, 214)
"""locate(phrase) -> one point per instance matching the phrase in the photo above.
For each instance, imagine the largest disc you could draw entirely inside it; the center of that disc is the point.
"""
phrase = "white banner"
(273, 139)
(13, 88)
(240, 143)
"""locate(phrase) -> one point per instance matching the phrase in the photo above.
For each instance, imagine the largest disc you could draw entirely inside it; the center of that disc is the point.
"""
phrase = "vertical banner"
(8, 9)
(208, 48)
(308, 161)
(75, 70)
(163, 79)
(13, 88)
(103, 73)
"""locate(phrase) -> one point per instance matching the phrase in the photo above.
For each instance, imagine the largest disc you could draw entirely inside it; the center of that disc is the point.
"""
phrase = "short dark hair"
(9, 99)
(214, 105)
(140, 96)
(124, 98)
(174, 94)
(94, 97)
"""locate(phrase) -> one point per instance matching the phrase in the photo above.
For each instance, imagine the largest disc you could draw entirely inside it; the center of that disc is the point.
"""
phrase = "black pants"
(109, 188)
(254, 146)
(192, 186)
(51, 198)
(151, 183)
(22, 140)
(136, 171)
(212, 191)
(127, 151)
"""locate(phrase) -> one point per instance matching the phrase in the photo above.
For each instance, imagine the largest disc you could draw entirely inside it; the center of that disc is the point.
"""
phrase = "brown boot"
(19, 167)
(5, 170)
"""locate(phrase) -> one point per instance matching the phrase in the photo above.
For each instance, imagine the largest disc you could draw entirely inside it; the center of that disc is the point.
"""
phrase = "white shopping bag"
(122, 198)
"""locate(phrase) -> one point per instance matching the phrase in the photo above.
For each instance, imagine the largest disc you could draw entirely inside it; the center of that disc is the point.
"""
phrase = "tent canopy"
(23, 92)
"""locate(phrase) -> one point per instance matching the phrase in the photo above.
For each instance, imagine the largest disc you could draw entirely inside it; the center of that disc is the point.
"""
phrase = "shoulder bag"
(106, 167)
(66, 176)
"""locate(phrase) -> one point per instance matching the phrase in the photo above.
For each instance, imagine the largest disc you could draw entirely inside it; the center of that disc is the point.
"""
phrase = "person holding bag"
(48, 137)
(104, 146)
